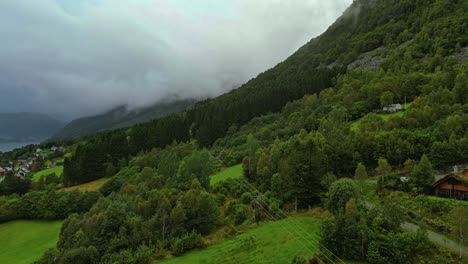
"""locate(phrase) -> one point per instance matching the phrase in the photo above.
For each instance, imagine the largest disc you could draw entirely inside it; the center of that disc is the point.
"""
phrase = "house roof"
(459, 176)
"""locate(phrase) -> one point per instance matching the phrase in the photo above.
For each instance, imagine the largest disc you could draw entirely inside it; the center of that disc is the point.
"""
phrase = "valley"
(354, 149)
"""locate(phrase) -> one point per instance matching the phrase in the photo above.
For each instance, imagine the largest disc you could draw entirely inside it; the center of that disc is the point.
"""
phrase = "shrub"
(187, 242)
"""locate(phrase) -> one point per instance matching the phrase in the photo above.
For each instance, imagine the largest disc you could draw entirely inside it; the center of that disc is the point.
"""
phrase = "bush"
(143, 255)
(50, 256)
(241, 213)
(47, 205)
(82, 255)
(187, 242)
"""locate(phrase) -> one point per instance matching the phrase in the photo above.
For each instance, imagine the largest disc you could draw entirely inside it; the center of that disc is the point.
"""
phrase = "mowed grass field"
(90, 186)
(57, 170)
(270, 242)
(231, 172)
(23, 242)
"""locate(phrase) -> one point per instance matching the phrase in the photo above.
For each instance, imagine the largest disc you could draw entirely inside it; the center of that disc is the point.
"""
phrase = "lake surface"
(4, 147)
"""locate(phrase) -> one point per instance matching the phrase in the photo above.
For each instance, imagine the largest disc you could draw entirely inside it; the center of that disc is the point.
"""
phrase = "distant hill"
(19, 127)
(120, 117)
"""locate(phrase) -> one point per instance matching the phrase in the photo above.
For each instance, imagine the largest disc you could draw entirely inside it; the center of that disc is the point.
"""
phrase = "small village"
(39, 160)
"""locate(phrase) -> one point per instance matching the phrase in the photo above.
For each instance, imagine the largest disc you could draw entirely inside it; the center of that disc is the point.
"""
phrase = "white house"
(393, 108)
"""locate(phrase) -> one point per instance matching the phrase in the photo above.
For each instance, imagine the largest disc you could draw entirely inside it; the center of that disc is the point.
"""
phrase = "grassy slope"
(57, 170)
(231, 172)
(355, 125)
(90, 186)
(26, 241)
(272, 242)
(455, 202)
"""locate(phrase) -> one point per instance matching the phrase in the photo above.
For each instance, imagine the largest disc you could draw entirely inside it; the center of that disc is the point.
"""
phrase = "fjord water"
(9, 146)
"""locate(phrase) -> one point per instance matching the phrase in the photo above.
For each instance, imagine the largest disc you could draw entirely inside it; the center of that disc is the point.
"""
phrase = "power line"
(298, 234)
(297, 226)
(280, 223)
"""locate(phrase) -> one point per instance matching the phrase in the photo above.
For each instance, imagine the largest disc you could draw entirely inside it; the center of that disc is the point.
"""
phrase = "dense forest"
(300, 130)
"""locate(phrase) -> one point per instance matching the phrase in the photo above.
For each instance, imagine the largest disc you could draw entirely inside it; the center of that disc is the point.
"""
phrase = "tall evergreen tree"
(422, 174)
(360, 174)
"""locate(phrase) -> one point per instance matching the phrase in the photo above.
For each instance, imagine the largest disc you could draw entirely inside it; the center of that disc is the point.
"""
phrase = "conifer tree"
(423, 174)
(360, 174)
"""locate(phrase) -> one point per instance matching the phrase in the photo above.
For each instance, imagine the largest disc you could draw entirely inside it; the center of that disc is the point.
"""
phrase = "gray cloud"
(81, 57)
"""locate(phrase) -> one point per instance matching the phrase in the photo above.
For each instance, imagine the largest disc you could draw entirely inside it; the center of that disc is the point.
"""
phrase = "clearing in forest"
(56, 170)
(89, 186)
(228, 173)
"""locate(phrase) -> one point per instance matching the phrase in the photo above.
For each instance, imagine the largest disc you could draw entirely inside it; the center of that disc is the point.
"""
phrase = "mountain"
(21, 127)
(120, 117)
(302, 130)
(409, 43)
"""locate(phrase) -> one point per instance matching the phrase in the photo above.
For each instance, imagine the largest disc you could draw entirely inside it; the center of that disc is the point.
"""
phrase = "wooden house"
(453, 185)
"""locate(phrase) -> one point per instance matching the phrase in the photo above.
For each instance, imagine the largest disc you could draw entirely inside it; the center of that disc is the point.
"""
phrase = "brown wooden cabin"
(453, 185)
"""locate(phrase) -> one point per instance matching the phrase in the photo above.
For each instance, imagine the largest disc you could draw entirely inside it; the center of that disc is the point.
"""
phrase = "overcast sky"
(82, 57)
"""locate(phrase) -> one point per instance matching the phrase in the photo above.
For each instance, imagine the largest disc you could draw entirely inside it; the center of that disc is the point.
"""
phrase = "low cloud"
(81, 57)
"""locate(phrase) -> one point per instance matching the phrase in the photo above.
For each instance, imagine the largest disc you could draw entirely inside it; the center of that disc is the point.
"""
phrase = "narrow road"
(434, 237)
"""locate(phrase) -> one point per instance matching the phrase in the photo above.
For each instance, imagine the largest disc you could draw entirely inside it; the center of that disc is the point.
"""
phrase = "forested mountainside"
(418, 33)
(299, 129)
(120, 117)
(19, 127)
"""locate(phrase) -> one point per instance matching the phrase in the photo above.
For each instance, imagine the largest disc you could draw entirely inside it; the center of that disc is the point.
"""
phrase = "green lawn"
(57, 170)
(26, 241)
(271, 242)
(231, 172)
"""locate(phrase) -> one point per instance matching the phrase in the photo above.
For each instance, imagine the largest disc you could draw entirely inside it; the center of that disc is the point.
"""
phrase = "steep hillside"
(291, 129)
(411, 31)
(18, 127)
(120, 117)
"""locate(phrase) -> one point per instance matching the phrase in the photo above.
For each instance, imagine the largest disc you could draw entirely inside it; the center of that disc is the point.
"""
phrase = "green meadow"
(270, 242)
(57, 170)
(231, 172)
(23, 242)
